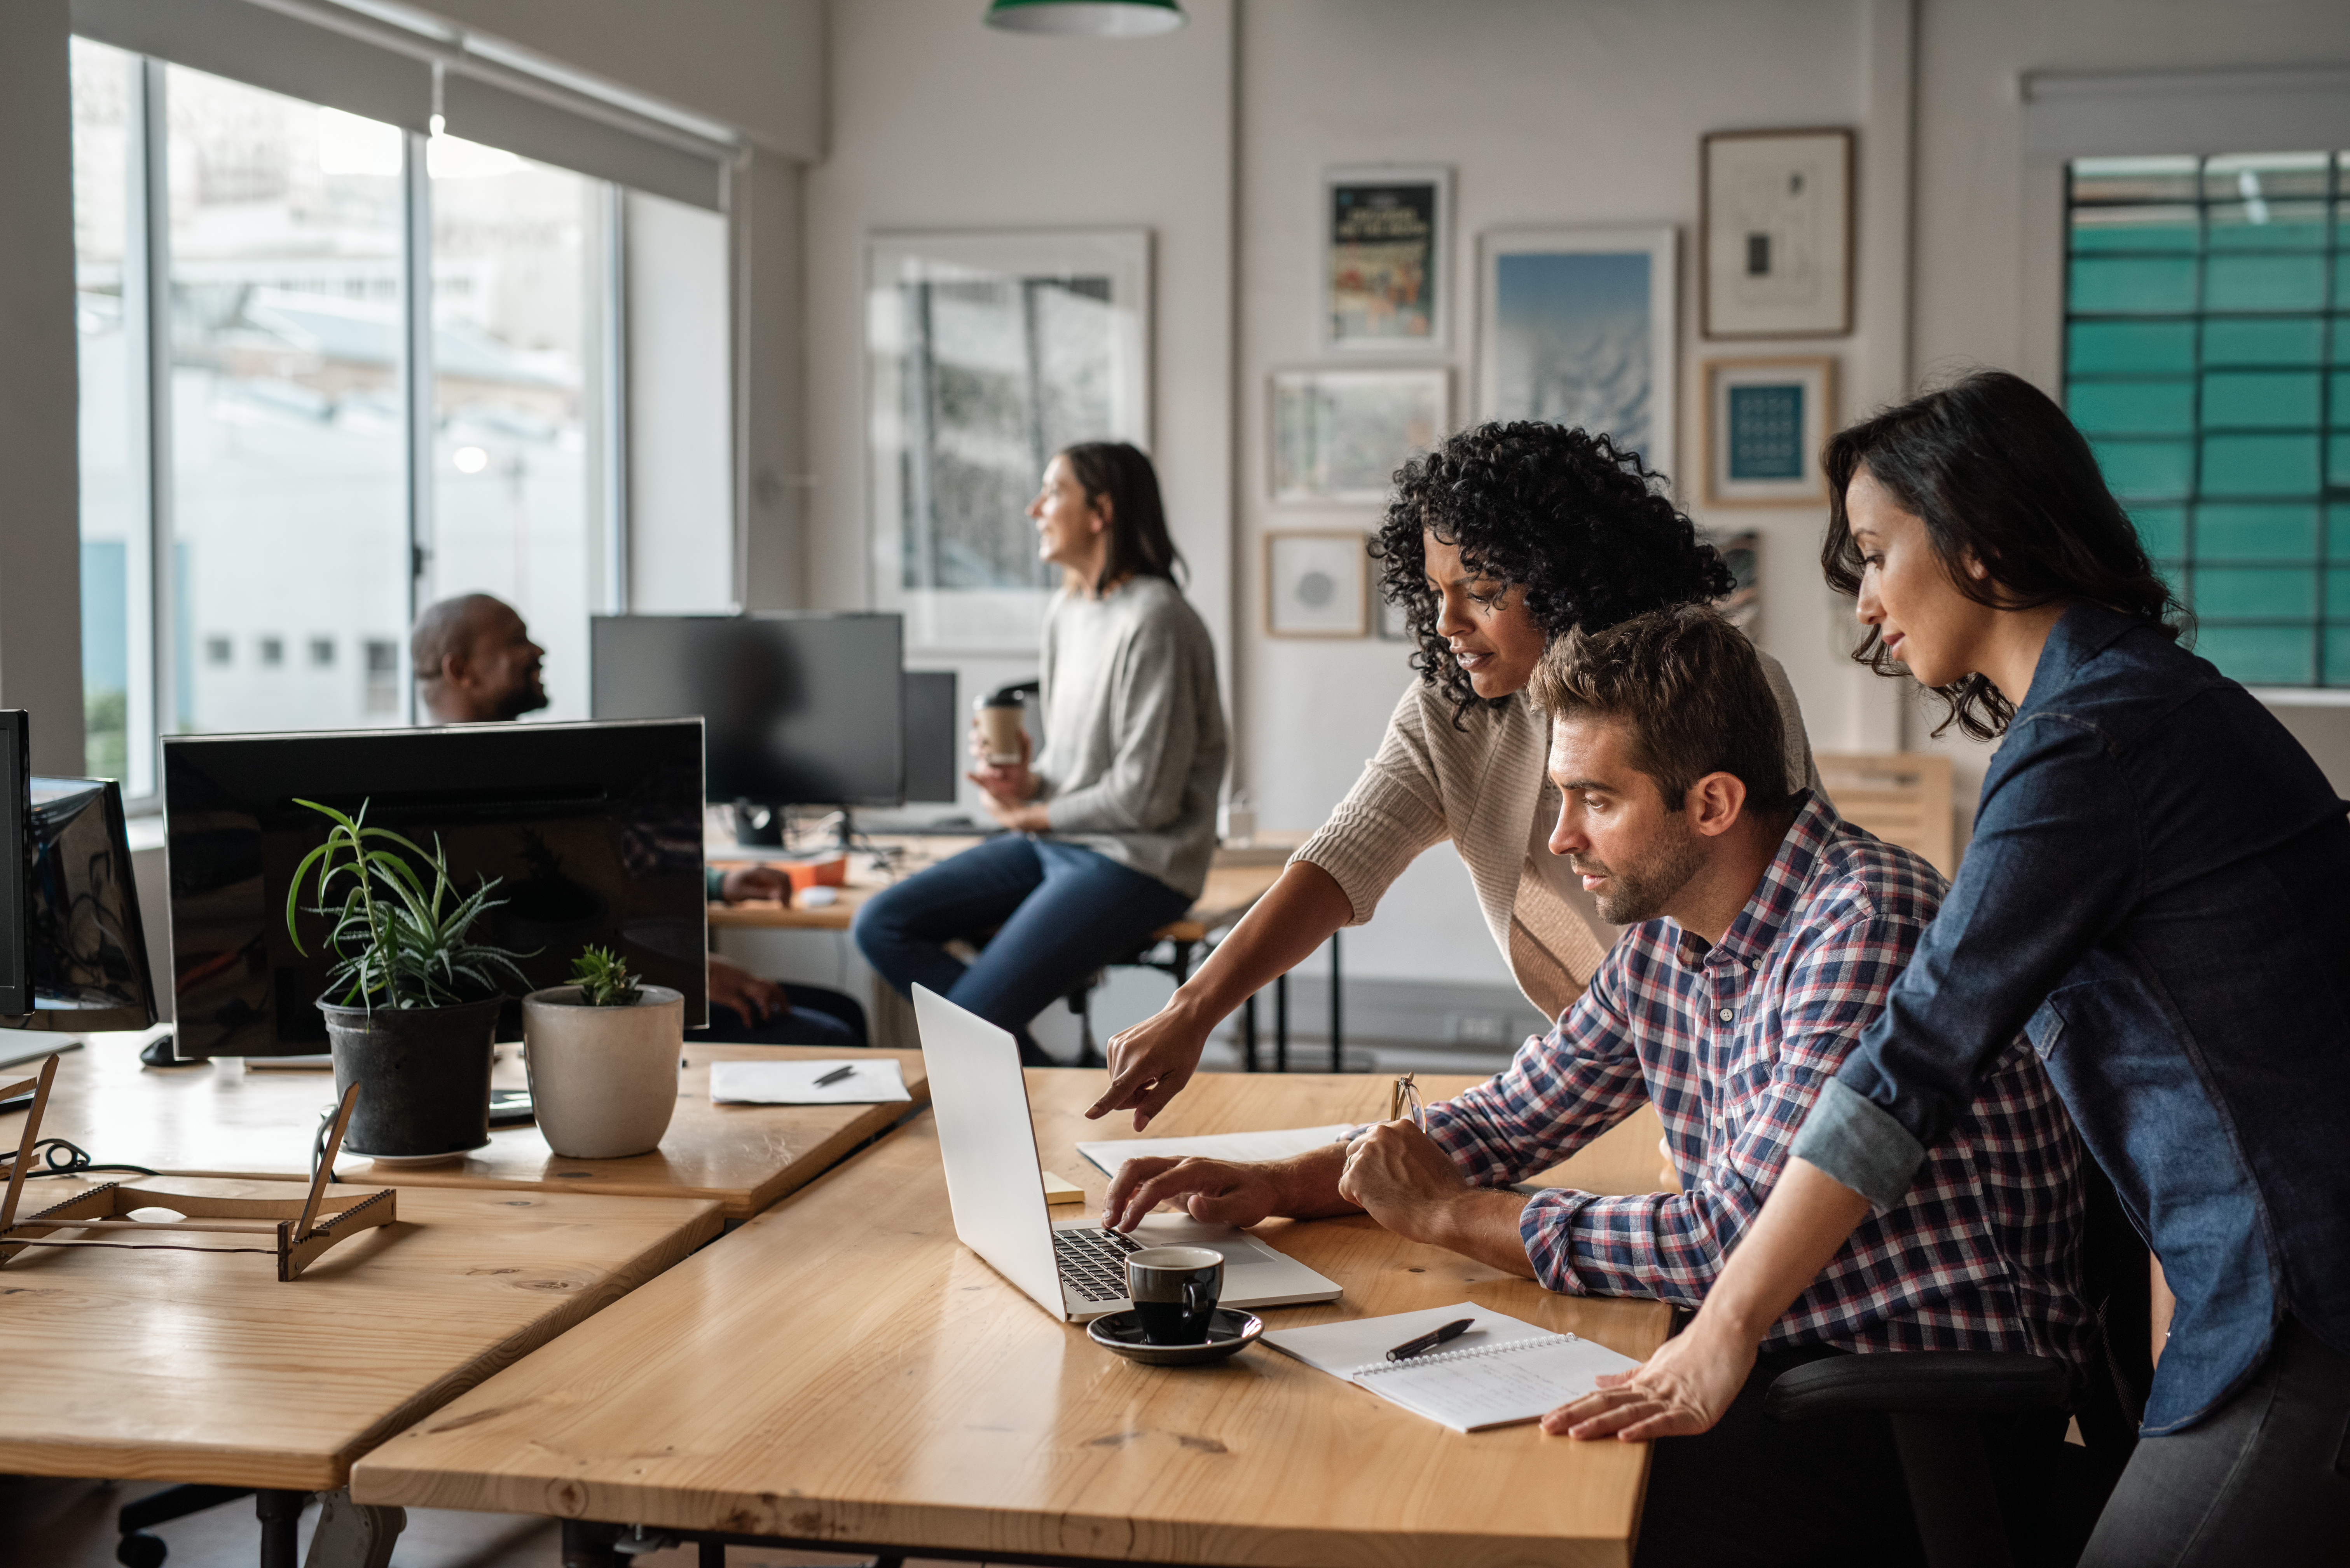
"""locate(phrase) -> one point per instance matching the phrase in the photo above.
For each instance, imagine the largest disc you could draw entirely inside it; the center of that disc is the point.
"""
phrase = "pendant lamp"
(1087, 18)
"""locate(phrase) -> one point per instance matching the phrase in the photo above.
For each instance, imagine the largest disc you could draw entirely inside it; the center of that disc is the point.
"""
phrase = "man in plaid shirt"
(1766, 932)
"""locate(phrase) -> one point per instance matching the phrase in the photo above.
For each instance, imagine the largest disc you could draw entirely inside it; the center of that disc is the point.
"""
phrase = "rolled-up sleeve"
(2055, 864)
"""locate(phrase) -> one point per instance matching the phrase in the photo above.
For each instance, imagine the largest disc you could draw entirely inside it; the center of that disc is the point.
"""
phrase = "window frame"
(155, 708)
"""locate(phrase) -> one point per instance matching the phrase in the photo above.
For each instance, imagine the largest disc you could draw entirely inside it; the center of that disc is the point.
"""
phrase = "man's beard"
(528, 697)
(1640, 890)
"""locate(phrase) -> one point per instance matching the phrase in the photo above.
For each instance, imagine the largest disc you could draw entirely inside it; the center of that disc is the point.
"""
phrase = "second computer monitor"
(799, 710)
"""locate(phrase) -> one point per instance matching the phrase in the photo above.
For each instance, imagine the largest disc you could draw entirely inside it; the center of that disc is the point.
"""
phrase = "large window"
(2207, 360)
(266, 500)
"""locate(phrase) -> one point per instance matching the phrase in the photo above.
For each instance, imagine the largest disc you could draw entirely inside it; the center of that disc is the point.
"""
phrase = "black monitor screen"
(801, 709)
(86, 945)
(593, 833)
(15, 864)
(934, 745)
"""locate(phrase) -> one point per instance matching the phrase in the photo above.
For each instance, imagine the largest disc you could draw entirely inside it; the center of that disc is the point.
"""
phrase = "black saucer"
(1229, 1333)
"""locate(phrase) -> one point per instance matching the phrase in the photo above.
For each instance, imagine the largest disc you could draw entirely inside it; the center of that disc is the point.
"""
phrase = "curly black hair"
(1583, 528)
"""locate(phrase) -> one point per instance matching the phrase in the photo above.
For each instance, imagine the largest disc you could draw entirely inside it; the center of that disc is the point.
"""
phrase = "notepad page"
(1108, 1154)
(1351, 1343)
(1470, 1391)
(872, 1080)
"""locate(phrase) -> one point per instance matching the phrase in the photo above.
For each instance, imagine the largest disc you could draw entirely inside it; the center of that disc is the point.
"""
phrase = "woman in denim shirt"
(2159, 888)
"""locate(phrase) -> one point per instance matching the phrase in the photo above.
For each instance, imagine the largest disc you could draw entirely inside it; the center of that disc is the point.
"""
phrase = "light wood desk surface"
(1235, 882)
(842, 1372)
(203, 1367)
(210, 1121)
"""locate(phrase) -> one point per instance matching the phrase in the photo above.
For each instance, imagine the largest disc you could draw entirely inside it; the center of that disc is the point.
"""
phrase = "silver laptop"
(1073, 1269)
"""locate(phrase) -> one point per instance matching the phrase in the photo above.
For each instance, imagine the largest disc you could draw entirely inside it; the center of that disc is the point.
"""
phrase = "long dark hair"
(1139, 544)
(1993, 469)
(1583, 528)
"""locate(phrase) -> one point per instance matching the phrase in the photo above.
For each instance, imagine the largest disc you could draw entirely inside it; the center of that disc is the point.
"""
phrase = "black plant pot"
(423, 1076)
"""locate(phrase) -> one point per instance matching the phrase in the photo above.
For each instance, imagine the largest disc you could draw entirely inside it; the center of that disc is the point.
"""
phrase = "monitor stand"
(762, 827)
(159, 1053)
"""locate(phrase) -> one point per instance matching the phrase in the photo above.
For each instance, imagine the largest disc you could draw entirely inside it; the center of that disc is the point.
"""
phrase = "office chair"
(1937, 1402)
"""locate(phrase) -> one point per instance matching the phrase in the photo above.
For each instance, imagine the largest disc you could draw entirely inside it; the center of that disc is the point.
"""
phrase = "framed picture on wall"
(1340, 435)
(1741, 552)
(1765, 422)
(986, 353)
(1316, 582)
(1575, 326)
(1383, 258)
(1776, 233)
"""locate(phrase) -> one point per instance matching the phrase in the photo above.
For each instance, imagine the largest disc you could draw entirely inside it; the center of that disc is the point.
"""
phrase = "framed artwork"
(1576, 327)
(1741, 552)
(985, 354)
(1340, 435)
(1316, 584)
(1775, 208)
(1765, 422)
(1393, 625)
(1383, 261)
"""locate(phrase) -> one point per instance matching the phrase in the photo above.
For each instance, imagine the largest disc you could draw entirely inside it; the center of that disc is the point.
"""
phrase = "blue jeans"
(813, 1016)
(1064, 912)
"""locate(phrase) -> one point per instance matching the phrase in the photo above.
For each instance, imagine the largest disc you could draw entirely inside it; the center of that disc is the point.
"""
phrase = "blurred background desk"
(1237, 877)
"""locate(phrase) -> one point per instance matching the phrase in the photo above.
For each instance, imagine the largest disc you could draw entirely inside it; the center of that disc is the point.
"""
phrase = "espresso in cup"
(1174, 1290)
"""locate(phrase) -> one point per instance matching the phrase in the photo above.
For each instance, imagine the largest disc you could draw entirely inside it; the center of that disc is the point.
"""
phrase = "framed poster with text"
(1383, 259)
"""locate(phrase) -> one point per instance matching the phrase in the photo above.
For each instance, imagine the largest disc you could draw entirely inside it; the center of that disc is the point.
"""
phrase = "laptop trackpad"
(1182, 1230)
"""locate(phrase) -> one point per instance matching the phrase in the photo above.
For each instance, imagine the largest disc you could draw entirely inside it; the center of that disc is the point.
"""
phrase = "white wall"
(1987, 284)
(939, 123)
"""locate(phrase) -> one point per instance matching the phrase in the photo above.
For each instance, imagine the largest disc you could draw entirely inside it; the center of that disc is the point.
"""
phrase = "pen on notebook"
(835, 1075)
(1432, 1339)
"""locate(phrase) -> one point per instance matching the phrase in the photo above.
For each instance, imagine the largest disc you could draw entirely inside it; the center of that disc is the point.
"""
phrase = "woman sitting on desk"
(1113, 825)
(1503, 538)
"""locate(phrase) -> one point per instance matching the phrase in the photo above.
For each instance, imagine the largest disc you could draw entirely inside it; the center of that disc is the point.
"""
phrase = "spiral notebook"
(1500, 1373)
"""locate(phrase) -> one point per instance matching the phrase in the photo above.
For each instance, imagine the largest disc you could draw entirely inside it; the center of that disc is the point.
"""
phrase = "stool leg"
(1281, 1025)
(713, 1553)
(1337, 1027)
(1248, 1034)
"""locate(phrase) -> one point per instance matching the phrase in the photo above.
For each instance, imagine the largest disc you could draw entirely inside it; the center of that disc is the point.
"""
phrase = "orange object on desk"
(829, 872)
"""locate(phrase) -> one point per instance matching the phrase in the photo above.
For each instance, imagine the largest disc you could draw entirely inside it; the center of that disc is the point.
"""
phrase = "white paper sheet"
(1108, 1154)
(1338, 1348)
(875, 1081)
(1501, 1387)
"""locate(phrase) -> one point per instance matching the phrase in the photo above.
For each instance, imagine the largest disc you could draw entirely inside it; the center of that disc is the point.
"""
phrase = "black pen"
(1432, 1339)
(835, 1075)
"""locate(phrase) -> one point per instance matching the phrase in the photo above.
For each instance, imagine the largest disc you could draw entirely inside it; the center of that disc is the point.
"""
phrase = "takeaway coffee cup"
(1174, 1290)
(999, 729)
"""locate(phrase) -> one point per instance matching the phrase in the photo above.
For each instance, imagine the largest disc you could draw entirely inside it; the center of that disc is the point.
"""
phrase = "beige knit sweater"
(1484, 788)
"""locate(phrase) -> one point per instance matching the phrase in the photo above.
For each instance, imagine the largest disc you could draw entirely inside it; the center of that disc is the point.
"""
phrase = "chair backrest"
(2115, 1272)
(1903, 798)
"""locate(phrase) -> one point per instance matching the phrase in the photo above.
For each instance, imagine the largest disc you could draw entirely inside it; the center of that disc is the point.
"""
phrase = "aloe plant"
(603, 980)
(399, 942)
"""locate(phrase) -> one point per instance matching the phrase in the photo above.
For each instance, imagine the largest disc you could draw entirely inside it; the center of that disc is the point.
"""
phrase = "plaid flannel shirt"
(1733, 1042)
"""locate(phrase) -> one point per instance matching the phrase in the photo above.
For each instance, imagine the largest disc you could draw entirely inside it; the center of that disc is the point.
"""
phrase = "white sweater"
(1484, 788)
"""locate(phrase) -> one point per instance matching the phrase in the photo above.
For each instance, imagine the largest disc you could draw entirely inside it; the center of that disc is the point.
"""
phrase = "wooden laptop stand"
(298, 1234)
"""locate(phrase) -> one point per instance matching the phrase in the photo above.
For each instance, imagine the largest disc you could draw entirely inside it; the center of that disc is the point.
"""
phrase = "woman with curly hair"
(1506, 536)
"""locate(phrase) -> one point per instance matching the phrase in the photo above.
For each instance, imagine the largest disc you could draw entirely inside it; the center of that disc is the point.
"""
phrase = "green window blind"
(2207, 357)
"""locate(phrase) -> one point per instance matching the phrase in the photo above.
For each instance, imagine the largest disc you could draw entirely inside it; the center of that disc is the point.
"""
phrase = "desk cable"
(61, 1157)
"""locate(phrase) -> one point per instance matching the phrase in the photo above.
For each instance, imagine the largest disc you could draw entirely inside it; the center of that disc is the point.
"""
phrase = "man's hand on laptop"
(1228, 1192)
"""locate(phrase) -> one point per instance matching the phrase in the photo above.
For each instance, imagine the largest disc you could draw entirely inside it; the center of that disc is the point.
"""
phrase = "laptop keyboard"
(1093, 1263)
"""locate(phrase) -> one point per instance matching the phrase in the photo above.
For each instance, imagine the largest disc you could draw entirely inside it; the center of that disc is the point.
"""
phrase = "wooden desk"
(203, 1367)
(208, 1121)
(842, 1372)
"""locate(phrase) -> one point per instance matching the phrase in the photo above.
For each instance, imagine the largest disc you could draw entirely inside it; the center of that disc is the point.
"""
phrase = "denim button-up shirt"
(2159, 888)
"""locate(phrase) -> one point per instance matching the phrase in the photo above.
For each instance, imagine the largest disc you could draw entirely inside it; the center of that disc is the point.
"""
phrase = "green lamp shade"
(1087, 18)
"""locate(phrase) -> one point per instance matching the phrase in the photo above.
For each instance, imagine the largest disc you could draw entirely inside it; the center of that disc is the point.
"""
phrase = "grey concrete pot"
(603, 1080)
(423, 1075)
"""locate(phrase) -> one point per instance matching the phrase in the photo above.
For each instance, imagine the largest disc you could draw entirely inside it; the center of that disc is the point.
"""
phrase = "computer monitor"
(801, 709)
(85, 948)
(593, 832)
(934, 749)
